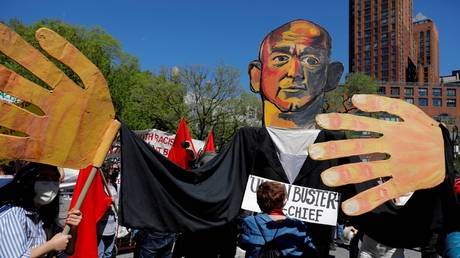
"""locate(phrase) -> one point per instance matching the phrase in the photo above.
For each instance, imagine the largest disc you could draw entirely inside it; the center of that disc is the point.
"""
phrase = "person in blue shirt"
(288, 235)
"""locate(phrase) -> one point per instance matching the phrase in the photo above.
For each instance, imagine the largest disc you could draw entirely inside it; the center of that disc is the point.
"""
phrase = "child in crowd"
(287, 235)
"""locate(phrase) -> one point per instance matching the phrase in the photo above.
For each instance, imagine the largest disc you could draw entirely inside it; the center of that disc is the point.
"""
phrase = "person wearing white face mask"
(21, 228)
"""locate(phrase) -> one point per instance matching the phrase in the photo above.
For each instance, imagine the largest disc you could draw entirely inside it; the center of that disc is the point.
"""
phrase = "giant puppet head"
(293, 72)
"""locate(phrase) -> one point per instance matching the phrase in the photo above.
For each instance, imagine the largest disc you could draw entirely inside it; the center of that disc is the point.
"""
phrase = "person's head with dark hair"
(33, 186)
(271, 196)
(7, 168)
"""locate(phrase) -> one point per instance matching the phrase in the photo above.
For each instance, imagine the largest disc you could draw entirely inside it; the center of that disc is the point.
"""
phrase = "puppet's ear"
(255, 75)
(334, 72)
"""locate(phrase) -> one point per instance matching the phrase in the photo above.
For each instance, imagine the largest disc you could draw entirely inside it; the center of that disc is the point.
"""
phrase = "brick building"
(403, 55)
(427, 49)
(439, 101)
(380, 39)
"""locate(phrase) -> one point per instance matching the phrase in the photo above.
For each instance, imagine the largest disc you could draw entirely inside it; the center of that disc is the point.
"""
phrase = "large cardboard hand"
(78, 125)
(415, 146)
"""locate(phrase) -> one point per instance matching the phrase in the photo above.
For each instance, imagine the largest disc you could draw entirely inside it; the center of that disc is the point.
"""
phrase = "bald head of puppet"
(293, 72)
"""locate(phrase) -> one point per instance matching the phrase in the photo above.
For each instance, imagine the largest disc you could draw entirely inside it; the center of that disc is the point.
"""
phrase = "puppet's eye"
(280, 58)
(310, 60)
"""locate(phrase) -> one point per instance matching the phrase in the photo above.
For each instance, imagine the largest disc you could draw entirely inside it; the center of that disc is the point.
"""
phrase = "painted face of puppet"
(294, 65)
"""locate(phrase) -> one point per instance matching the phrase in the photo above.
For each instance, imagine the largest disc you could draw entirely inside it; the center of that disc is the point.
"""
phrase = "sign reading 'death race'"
(307, 204)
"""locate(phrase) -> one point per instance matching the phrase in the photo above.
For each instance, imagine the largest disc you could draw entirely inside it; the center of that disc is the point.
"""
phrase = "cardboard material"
(79, 124)
(415, 146)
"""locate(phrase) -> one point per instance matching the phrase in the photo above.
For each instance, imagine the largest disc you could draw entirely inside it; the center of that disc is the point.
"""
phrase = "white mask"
(45, 191)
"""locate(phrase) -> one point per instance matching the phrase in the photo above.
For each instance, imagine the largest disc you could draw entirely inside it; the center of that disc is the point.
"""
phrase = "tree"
(339, 100)
(118, 67)
(157, 103)
(216, 100)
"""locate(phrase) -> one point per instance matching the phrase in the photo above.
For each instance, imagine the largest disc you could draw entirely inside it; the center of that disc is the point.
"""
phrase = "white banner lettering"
(307, 204)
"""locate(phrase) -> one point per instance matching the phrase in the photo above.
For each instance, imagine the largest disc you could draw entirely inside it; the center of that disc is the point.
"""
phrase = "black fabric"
(159, 195)
(427, 212)
(267, 165)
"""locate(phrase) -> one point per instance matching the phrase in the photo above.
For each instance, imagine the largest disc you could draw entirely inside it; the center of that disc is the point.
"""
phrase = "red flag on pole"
(93, 208)
(209, 143)
(180, 153)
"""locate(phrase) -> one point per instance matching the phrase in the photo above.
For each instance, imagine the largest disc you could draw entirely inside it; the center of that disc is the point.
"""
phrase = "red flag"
(178, 154)
(93, 208)
(209, 143)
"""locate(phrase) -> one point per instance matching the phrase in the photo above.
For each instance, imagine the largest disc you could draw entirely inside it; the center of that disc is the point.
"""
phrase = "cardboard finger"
(65, 52)
(346, 148)
(355, 173)
(16, 150)
(12, 45)
(17, 86)
(336, 121)
(398, 107)
(18, 119)
(370, 199)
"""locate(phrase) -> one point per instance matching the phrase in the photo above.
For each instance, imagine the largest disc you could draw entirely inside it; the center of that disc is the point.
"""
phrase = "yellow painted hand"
(415, 146)
(78, 126)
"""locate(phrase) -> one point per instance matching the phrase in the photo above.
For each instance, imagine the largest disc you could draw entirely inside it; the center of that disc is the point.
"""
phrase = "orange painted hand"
(415, 146)
(78, 124)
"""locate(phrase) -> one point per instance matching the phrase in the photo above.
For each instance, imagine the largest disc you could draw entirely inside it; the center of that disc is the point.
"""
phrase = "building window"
(385, 28)
(385, 75)
(451, 102)
(393, 90)
(384, 21)
(384, 58)
(381, 91)
(422, 37)
(437, 92)
(451, 92)
(423, 92)
(385, 50)
(409, 100)
(409, 91)
(384, 36)
(423, 102)
(437, 102)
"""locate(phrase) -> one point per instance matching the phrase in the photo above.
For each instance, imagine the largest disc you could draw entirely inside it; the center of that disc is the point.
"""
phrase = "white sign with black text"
(307, 204)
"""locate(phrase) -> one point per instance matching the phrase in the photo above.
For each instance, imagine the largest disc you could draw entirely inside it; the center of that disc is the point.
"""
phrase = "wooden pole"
(71, 245)
(108, 191)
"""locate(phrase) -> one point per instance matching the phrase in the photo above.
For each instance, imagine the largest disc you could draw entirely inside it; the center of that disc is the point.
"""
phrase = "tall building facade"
(427, 49)
(381, 39)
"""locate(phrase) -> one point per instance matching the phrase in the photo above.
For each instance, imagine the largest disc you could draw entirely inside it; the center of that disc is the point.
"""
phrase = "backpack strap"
(261, 232)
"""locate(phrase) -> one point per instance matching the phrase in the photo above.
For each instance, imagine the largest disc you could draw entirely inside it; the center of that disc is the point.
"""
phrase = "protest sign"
(159, 140)
(307, 204)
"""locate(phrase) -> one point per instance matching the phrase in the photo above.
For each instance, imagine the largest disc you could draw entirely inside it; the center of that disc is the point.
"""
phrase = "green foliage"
(216, 101)
(207, 97)
(158, 102)
(95, 43)
(339, 100)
